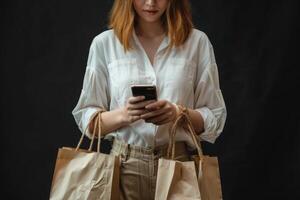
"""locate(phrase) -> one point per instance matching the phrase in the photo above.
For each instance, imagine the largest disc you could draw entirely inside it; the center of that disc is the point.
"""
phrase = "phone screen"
(149, 91)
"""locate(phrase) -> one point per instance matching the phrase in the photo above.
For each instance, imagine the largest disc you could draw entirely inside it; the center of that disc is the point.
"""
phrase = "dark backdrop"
(44, 51)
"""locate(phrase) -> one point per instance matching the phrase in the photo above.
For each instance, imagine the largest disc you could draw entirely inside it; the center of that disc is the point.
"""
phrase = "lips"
(151, 12)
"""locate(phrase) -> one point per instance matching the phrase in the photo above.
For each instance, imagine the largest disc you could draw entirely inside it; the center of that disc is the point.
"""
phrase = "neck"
(149, 29)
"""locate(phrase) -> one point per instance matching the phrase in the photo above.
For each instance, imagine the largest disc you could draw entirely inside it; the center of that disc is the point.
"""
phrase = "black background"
(44, 48)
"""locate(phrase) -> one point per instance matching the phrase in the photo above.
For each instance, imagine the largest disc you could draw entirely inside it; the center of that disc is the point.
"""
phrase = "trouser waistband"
(128, 150)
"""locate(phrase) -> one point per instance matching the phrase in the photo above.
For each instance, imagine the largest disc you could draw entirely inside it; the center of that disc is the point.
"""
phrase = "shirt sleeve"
(209, 100)
(94, 94)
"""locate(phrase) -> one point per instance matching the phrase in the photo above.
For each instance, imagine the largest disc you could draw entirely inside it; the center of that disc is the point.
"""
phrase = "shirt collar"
(164, 44)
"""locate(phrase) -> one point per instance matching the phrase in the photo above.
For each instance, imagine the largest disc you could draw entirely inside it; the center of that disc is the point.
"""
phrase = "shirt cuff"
(87, 117)
(210, 125)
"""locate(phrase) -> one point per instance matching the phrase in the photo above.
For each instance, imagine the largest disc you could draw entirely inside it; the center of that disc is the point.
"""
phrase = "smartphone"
(149, 91)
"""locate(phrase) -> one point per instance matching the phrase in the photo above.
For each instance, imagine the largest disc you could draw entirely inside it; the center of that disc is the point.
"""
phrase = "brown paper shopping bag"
(85, 175)
(172, 181)
(207, 166)
(209, 177)
(176, 180)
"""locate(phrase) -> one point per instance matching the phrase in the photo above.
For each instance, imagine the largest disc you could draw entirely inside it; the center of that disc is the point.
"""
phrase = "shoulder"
(199, 37)
(200, 48)
(104, 37)
(196, 33)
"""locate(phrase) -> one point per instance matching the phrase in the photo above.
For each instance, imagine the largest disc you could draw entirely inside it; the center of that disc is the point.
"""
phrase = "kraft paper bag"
(209, 177)
(84, 174)
(206, 169)
(176, 181)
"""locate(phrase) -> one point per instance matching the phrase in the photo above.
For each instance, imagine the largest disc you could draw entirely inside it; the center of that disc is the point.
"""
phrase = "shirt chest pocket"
(122, 74)
(180, 74)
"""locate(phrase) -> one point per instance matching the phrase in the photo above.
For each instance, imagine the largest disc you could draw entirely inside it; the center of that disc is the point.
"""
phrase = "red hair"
(177, 21)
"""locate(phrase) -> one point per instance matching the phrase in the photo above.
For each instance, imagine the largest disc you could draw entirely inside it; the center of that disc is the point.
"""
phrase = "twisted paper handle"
(183, 118)
(98, 121)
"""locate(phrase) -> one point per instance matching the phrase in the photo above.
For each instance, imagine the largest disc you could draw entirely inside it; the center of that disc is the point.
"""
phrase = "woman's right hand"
(135, 107)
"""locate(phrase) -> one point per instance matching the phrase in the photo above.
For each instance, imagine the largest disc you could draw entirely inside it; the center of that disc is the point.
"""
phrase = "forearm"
(111, 121)
(196, 120)
(195, 117)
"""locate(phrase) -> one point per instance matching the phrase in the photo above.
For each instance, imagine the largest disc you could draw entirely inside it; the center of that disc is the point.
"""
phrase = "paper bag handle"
(98, 121)
(183, 116)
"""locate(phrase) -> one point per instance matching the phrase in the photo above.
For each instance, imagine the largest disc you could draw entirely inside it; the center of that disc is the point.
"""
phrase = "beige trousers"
(139, 168)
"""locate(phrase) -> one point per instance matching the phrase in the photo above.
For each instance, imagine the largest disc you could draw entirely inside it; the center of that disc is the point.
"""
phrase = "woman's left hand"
(160, 112)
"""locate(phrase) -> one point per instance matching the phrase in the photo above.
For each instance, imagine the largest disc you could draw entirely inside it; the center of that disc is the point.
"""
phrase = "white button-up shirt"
(187, 75)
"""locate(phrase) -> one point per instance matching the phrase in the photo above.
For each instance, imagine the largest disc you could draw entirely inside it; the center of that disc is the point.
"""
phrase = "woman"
(150, 42)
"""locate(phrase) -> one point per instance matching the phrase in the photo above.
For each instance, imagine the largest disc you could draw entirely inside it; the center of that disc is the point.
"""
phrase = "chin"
(151, 19)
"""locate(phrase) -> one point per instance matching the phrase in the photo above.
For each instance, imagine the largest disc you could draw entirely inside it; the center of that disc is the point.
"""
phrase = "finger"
(159, 118)
(160, 103)
(134, 118)
(137, 112)
(163, 120)
(152, 114)
(140, 105)
(156, 113)
(136, 99)
(168, 120)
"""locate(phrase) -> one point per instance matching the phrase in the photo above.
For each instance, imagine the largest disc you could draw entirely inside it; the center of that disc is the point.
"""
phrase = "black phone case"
(148, 91)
